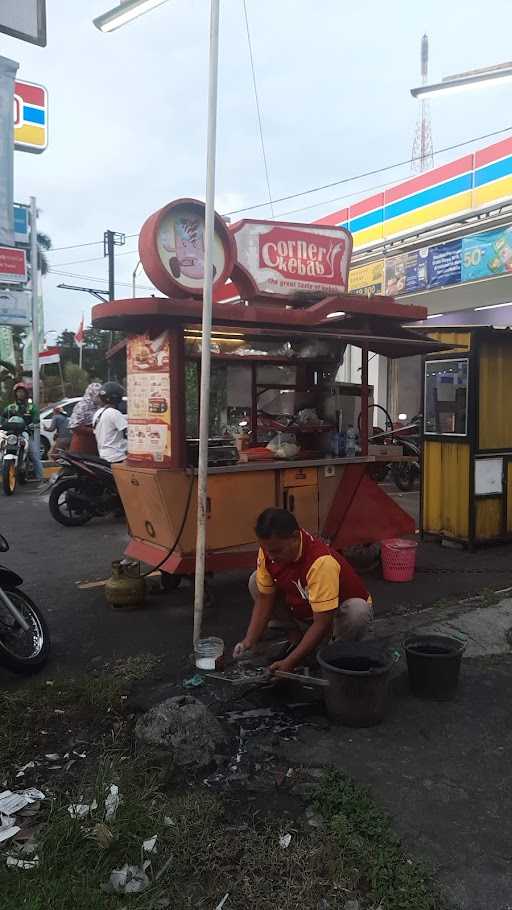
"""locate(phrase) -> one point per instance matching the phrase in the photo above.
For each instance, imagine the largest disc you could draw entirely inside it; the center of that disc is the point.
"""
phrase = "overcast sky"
(128, 112)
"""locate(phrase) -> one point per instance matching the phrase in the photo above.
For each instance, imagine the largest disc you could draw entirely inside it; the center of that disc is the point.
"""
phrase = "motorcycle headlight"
(11, 439)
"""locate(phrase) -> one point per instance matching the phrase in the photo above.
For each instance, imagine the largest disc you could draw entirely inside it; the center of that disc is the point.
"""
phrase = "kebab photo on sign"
(189, 251)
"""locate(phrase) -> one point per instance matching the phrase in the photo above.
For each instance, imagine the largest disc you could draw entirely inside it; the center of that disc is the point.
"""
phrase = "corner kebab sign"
(262, 258)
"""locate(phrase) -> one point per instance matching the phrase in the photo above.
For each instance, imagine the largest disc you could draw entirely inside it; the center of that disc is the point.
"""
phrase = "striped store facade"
(467, 185)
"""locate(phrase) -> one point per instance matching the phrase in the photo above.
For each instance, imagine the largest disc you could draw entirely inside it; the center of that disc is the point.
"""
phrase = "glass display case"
(446, 397)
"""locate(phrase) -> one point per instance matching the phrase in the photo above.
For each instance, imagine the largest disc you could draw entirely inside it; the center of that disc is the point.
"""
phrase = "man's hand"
(240, 648)
(284, 665)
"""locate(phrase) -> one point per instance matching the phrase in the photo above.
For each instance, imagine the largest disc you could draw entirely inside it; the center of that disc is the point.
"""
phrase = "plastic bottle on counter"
(351, 442)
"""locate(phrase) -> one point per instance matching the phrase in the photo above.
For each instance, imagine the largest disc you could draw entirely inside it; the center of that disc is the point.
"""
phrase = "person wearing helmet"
(110, 425)
(22, 406)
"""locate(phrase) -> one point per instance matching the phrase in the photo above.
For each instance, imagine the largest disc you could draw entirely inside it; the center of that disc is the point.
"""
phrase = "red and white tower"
(422, 157)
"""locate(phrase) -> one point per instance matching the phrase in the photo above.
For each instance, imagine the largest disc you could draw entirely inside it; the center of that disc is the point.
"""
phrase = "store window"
(446, 397)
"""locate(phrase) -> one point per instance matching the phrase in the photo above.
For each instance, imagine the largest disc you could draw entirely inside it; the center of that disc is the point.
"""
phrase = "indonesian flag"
(79, 336)
(49, 355)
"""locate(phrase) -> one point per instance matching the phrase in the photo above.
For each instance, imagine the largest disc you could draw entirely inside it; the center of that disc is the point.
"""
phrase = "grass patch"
(368, 843)
(215, 844)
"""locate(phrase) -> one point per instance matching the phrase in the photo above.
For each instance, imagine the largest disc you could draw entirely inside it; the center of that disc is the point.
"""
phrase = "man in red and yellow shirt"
(322, 592)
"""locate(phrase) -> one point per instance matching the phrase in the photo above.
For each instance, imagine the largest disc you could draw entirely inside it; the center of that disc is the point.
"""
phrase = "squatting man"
(299, 575)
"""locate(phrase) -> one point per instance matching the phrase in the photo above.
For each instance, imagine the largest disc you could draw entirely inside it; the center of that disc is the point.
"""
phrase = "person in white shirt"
(110, 425)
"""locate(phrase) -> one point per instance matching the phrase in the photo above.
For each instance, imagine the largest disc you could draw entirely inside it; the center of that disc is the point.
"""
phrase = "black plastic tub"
(433, 663)
(358, 677)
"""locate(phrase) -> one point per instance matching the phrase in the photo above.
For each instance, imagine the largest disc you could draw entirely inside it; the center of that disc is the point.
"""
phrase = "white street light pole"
(109, 21)
(204, 399)
(34, 276)
(472, 79)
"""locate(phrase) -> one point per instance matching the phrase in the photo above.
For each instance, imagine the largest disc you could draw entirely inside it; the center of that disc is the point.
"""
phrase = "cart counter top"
(282, 464)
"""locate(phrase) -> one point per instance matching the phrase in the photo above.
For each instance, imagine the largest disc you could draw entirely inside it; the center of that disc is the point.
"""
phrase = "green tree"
(95, 347)
(76, 379)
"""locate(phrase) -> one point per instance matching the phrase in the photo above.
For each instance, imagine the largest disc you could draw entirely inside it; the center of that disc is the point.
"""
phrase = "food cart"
(467, 436)
(282, 339)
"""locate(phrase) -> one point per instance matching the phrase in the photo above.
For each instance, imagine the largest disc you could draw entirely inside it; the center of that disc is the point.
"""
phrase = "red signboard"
(172, 249)
(288, 259)
(13, 265)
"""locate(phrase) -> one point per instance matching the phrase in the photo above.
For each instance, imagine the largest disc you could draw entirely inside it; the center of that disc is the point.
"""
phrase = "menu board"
(149, 415)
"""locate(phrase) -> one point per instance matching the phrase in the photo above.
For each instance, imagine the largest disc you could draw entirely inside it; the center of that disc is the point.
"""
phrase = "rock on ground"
(184, 726)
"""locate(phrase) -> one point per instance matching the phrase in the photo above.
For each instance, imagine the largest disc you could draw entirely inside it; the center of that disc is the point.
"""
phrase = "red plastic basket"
(398, 559)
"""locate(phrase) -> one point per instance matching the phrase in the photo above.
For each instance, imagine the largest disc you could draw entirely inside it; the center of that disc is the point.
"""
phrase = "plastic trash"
(112, 803)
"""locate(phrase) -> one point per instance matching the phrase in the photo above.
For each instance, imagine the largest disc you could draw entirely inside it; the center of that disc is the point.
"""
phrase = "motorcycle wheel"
(60, 507)
(404, 476)
(23, 652)
(9, 477)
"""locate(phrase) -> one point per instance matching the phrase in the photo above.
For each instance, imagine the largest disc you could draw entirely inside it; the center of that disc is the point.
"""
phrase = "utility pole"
(34, 274)
(111, 239)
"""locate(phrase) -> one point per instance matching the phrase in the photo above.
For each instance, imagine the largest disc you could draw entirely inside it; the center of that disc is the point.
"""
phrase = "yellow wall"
(495, 405)
(488, 518)
(461, 339)
(446, 488)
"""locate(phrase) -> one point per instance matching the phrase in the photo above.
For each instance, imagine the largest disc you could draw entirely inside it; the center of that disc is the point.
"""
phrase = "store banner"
(444, 264)
(8, 70)
(367, 279)
(487, 254)
(407, 273)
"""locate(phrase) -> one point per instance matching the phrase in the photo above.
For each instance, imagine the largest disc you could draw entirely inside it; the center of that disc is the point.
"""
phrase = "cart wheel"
(170, 582)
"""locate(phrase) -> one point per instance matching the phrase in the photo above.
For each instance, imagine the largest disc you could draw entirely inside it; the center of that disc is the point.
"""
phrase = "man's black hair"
(276, 523)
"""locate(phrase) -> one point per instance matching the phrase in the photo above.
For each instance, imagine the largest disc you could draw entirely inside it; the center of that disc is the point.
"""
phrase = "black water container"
(358, 676)
(433, 663)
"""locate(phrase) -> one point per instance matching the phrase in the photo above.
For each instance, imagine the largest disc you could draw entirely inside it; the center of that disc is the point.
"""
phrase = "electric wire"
(258, 109)
(317, 189)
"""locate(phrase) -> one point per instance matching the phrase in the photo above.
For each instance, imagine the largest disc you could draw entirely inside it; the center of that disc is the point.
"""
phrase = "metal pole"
(204, 401)
(134, 278)
(109, 236)
(364, 400)
(34, 275)
(110, 254)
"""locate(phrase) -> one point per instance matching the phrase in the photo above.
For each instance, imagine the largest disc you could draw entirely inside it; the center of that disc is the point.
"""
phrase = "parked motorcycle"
(406, 473)
(84, 489)
(24, 636)
(16, 462)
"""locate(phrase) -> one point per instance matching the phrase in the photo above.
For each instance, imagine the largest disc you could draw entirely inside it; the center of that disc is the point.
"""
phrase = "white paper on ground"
(7, 833)
(11, 802)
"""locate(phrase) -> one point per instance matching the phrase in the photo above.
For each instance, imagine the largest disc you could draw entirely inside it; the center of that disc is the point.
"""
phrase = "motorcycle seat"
(94, 459)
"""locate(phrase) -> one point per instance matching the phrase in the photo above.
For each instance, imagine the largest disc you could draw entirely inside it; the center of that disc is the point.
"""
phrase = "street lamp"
(120, 15)
(101, 295)
(473, 78)
(124, 13)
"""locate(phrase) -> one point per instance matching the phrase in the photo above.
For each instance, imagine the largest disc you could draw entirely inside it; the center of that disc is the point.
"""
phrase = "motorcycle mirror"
(4, 545)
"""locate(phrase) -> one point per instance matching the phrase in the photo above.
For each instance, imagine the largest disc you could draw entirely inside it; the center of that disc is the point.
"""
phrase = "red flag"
(79, 336)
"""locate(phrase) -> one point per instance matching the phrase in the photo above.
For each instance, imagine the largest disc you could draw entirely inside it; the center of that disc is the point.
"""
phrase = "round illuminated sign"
(172, 249)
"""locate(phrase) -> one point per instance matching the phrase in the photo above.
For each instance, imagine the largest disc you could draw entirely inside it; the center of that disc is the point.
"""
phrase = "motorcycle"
(16, 462)
(406, 473)
(24, 635)
(84, 489)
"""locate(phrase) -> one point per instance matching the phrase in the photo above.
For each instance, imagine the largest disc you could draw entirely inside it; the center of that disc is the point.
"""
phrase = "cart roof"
(353, 319)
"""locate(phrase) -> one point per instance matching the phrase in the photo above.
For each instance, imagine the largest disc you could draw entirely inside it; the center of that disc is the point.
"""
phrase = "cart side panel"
(445, 481)
(329, 477)
(488, 524)
(145, 509)
(495, 387)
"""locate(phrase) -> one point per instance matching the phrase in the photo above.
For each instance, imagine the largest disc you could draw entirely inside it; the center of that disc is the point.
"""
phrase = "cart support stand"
(364, 399)
(204, 406)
